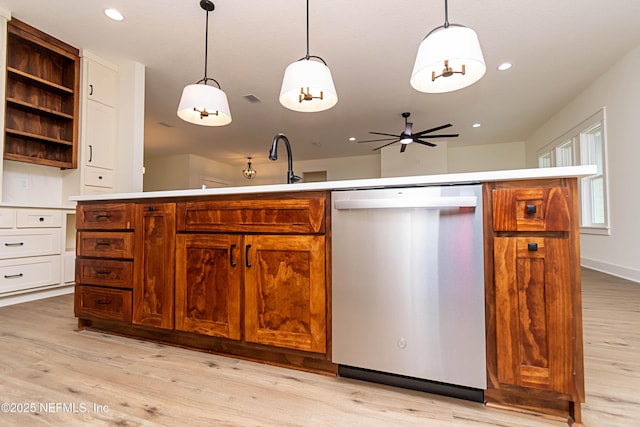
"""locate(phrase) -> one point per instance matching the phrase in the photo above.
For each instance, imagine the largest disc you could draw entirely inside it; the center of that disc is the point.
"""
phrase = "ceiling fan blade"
(386, 134)
(433, 129)
(382, 146)
(378, 140)
(404, 147)
(449, 135)
(419, 141)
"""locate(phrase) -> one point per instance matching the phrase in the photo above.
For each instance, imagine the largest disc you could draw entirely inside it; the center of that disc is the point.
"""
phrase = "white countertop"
(405, 181)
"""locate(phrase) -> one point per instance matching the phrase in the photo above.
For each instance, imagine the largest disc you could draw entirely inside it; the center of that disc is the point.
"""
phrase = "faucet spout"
(273, 155)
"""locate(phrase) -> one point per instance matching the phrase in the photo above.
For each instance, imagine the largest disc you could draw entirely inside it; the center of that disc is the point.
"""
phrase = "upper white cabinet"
(100, 135)
(102, 82)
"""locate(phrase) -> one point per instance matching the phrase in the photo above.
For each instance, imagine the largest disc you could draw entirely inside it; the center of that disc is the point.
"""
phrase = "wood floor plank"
(45, 361)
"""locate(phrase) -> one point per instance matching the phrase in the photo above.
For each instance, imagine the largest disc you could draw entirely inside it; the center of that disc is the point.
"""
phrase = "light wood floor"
(115, 381)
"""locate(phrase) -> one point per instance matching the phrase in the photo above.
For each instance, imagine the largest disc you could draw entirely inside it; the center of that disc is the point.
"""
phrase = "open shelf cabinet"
(42, 98)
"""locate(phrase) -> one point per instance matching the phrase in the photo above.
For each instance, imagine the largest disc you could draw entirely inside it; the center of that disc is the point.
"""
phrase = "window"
(584, 145)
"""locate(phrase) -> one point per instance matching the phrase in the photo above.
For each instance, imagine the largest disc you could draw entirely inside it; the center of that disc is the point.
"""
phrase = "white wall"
(489, 157)
(619, 91)
(416, 160)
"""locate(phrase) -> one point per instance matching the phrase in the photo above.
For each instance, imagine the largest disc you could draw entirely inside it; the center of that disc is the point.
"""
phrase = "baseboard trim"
(614, 270)
(18, 298)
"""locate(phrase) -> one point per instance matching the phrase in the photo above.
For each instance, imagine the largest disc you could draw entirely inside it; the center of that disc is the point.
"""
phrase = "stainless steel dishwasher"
(408, 288)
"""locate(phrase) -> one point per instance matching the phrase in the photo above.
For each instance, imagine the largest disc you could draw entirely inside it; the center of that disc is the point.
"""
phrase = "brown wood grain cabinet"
(153, 290)
(239, 275)
(534, 323)
(42, 98)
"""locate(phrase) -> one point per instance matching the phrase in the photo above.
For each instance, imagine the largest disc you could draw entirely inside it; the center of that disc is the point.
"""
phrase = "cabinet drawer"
(531, 209)
(7, 218)
(26, 243)
(103, 303)
(29, 218)
(115, 216)
(105, 244)
(28, 273)
(115, 274)
(273, 216)
(98, 177)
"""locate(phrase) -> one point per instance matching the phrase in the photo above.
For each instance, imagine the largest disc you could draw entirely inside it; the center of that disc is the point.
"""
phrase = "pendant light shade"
(449, 58)
(307, 85)
(204, 105)
(201, 103)
(307, 78)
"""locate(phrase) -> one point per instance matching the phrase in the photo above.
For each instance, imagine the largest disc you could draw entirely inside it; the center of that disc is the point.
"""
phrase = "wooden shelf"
(37, 80)
(42, 98)
(38, 137)
(37, 108)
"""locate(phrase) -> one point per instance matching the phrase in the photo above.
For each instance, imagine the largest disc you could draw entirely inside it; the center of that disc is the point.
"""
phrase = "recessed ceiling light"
(352, 139)
(113, 14)
(504, 66)
(476, 125)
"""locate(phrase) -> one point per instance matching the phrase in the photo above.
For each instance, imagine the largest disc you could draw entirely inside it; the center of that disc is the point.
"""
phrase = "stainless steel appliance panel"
(408, 282)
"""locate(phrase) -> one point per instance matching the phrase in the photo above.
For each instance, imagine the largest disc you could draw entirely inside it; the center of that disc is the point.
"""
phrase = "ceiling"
(557, 48)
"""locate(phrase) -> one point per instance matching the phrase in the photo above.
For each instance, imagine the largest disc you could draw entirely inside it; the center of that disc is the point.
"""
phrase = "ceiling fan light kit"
(307, 85)
(449, 58)
(201, 103)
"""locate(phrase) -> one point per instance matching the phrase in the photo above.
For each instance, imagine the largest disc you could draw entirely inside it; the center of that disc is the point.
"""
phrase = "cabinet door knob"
(246, 256)
(530, 209)
(90, 153)
(231, 249)
(532, 247)
(90, 89)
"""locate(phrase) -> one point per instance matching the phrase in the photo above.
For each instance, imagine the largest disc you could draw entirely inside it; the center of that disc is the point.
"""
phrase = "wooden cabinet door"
(285, 296)
(154, 265)
(208, 275)
(533, 312)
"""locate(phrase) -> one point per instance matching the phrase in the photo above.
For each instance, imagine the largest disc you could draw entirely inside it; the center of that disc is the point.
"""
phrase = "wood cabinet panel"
(103, 244)
(532, 324)
(208, 277)
(248, 216)
(153, 293)
(285, 296)
(112, 216)
(102, 303)
(531, 209)
(103, 272)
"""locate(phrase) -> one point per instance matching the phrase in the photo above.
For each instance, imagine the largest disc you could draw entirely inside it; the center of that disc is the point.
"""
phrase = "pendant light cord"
(206, 46)
(446, 14)
(307, 57)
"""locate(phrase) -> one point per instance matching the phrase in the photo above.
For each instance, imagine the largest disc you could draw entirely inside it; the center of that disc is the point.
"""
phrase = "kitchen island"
(247, 272)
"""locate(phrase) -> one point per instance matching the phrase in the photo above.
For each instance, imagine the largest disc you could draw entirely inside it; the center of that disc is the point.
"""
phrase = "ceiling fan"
(407, 136)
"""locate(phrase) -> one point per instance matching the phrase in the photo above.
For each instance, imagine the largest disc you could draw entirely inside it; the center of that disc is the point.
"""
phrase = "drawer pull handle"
(103, 272)
(231, 249)
(13, 276)
(102, 216)
(150, 208)
(246, 256)
(532, 247)
(41, 219)
(103, 302)
(530, 209)
(100, 244)
(11, 245)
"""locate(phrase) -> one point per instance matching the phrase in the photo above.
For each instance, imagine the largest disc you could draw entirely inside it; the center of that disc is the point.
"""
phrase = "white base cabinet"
(36, 253)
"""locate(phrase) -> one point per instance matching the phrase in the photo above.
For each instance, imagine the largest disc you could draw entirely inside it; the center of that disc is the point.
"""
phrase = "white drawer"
(98, 177)
(28, 273)
(34, 242)
(33, 218)
(7, 218)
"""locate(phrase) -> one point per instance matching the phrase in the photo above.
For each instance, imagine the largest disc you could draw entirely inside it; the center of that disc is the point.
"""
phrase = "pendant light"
(248, 172)
(307, 85)
(449, 58)
(201, 103)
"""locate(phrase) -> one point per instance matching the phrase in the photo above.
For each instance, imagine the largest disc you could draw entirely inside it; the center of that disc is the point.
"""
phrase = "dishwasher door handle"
(422, 202)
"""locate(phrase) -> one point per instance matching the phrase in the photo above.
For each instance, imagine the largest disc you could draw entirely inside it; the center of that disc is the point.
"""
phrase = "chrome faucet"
(273, 155)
